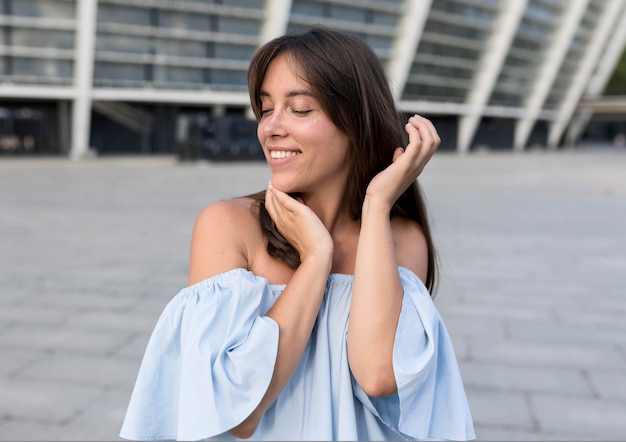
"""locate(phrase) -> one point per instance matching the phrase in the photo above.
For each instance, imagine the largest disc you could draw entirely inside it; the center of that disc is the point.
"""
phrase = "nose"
(273, 125)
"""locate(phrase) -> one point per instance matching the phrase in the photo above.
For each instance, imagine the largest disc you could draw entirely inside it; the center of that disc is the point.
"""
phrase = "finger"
(415, 139)
(427, 129)
(270, 203)
(283, 200)
(397, 153)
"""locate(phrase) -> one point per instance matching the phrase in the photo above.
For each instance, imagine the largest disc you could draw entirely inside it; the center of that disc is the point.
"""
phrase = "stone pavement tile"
(605, 336)
(603, 419)
(97, 298)
(458, 326)
(117, 322)
(461, 347)
(27, 430)
(60, 337)
(491, 433)
(516, 378)
(43, 401)
(134, 348)
(34, 313)
(14, 359)
(500, 409)
(521, 296)
(590, 318)
(608, 384)
(102, 420)
(494, 313)
(546, 354)
(72, 369)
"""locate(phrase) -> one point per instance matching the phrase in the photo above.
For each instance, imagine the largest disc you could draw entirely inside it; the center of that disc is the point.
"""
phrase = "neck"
(329, 210)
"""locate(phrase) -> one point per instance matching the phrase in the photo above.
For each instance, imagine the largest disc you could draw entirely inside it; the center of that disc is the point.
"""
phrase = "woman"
(306, 316)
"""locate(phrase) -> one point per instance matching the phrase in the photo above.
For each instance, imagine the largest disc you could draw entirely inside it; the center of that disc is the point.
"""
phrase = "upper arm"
(410, 245)
(217, 242)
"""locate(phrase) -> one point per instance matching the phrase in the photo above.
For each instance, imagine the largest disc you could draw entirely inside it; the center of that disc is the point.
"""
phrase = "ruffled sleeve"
(208, 362)
(431, 401)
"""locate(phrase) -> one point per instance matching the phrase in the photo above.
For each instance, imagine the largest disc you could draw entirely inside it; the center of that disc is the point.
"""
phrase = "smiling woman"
(308, 313)
(305, 150)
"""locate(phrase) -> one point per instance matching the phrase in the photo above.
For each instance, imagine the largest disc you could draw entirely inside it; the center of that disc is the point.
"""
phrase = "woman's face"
(306, 152)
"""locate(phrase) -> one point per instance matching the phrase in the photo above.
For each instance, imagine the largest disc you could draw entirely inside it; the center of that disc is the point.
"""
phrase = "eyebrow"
(289, 94)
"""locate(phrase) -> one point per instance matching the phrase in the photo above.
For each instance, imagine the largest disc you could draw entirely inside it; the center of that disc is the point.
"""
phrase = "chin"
(286, 186)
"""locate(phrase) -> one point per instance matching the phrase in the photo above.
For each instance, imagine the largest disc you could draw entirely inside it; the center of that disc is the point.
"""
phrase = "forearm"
(376, 303)
(295, 311)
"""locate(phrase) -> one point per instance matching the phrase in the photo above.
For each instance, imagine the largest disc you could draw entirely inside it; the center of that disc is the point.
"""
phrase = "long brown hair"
(350, 83)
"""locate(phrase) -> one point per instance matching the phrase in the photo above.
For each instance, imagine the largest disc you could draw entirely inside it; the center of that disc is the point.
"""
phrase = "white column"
(604, 70)
(552, 60)
(409, 33)
(276, 19)
(602, 31)
(83, 76)
(496, 49)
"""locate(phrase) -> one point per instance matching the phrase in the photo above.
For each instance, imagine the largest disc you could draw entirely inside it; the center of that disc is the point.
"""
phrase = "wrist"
(320, 260)
(373, 205)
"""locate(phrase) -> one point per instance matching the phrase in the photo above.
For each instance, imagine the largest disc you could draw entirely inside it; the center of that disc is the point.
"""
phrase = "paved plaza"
(533, 275)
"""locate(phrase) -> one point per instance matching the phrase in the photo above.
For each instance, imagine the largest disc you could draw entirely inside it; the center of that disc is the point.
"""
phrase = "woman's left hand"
(387, 186)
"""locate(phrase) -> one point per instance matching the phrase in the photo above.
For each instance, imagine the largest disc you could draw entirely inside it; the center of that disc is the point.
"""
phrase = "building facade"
(165, 76)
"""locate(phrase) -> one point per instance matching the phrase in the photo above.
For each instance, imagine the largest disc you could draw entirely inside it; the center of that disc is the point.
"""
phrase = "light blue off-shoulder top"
(211, 357)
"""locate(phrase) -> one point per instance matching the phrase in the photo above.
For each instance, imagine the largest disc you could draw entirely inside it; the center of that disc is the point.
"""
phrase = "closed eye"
(301, 113)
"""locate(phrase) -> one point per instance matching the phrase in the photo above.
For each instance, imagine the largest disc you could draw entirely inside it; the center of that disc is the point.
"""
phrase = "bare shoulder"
(237, 210)
(410, 245)
(221, 238)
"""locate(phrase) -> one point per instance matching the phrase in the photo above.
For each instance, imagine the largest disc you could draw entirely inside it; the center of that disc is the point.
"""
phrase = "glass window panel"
(420, 92)
(184, 75)
(377, 42)
(181, 48)
(455, 30)
(538, 12)
(534, 29)
(380, 18)
(526, 45)
(122, 43)
(181, 20)
(119, 71)
(42, 39)
(233, 51)
(296, 28)
(351, 14)
(514, 79)
(33, 67)
(448, 51)
(505, 99)
(307, 8)
(239, 26)
(43, 8)
(252, 4)
(441, 71)
(124, 15)
(224, 76)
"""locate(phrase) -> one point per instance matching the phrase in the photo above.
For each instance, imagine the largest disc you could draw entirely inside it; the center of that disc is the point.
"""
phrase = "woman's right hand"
(298, 224)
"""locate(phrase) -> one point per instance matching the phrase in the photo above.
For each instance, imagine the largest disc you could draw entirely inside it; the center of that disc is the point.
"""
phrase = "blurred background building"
(169, 76)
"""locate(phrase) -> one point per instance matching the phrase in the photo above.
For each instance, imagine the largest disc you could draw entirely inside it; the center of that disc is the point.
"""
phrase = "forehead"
(284, 74)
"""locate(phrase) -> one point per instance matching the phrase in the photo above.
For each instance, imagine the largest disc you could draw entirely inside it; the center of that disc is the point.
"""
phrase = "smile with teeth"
(276, 154)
